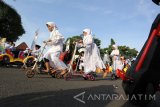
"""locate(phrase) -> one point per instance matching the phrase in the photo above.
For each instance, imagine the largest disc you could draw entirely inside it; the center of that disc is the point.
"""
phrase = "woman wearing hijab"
(92, 59)
(55, 43)
(115, 57)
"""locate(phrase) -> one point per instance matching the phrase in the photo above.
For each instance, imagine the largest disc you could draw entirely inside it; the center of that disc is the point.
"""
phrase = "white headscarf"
(88, 31)
(52, 24)
(115, 46)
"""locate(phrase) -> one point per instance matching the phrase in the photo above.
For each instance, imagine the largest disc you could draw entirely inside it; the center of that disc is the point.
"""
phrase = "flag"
(67, 45)
(34, 40)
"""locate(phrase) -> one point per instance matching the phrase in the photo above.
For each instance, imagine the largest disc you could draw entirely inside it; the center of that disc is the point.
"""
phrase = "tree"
(75, 38)
(156, 2)
(108, 49)
(72, 40)
(125, 51)
(112, 42)
(97, 42)
(10, 23)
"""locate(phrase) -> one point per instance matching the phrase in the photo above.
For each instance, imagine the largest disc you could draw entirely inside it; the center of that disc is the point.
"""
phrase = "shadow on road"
(62, 98)
(88, 97)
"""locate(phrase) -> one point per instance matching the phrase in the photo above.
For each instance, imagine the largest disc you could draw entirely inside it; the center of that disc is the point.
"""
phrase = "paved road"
(16, 90)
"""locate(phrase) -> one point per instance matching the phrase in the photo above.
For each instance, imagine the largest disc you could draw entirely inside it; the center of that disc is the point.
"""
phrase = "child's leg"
(105, 73)
(57, 64)
(46, 65)
(63, 71)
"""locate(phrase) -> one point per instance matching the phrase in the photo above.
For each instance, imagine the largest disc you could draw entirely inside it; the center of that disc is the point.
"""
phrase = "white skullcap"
(115, 46)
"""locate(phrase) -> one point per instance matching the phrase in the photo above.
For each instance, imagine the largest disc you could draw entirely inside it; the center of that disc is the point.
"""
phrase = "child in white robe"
(92, 59)
(115, 58)
(55, 43)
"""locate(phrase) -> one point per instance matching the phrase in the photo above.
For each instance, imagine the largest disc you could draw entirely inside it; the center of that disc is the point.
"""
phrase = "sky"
(128, 22)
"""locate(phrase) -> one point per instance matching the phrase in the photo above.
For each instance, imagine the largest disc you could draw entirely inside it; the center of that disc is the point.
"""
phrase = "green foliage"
(103, 51)
(72, 40)
(125, 51)
(76, 38)
(97, 42)
(112, 41)
(109, 48)
(10, 23)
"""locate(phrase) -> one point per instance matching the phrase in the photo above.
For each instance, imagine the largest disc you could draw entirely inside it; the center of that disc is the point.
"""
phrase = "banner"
(67, 45)
(34, 40)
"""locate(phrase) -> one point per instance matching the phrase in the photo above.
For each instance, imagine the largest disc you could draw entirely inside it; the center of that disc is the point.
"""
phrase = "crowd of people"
(89, 59)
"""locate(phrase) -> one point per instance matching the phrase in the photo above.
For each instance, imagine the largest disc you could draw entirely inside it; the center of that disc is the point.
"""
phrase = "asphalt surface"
(16, 90)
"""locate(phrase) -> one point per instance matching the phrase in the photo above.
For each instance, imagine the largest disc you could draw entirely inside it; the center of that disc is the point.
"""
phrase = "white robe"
(92, 58)
(36, 52)
(115, 59)
(106, 59)
(56, 47)
(81, 63)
